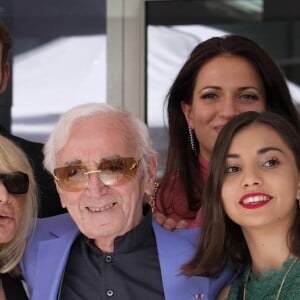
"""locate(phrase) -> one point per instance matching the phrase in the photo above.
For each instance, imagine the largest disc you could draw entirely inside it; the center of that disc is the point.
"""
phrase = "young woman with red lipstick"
(222, 77)
(251, 213)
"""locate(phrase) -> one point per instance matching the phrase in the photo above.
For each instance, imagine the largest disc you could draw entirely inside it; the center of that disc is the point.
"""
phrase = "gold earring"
(153, 195)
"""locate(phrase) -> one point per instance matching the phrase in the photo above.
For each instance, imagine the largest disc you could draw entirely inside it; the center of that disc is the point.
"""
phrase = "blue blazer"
(48, 249)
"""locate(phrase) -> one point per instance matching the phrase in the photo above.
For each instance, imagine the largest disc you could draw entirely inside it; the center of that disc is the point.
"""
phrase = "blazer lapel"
(175, 249)
(51, 259)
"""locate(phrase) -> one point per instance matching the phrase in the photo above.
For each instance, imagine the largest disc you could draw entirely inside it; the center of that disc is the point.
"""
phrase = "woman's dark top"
(13, 288)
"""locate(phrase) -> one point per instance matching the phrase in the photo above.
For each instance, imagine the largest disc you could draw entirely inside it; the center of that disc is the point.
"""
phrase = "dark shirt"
(13, 288)
(49, 204)
(131, 272)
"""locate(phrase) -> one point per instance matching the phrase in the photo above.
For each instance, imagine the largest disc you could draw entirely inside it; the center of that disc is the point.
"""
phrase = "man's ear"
(152, 162)
(5, 77)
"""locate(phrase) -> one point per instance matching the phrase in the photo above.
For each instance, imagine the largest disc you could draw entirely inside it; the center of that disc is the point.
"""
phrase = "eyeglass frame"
(131, 173)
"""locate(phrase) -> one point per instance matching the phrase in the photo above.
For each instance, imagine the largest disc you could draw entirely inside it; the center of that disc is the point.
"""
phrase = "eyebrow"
(80, 162)
(267, 149)
(242, 88)
(73, 163)
(259, 152)
(211, 87)
(112, 157)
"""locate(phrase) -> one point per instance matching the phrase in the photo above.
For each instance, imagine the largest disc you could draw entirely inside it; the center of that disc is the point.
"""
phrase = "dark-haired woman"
(222, 77)
(251, 212)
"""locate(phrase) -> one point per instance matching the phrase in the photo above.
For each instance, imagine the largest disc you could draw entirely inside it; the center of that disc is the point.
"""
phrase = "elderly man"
(107, 246)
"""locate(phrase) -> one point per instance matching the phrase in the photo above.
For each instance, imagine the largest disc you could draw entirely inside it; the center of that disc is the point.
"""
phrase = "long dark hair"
(181, 157)
(221, 239)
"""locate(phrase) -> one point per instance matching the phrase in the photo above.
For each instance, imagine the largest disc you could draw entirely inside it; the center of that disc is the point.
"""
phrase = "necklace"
(281, 284)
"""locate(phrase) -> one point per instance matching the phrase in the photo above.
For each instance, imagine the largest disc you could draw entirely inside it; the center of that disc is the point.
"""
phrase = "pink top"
(176, 202)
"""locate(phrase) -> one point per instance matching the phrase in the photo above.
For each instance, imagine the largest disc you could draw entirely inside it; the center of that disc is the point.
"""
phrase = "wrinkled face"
(4, 72)
(225, 86)
(10, 213)
(261, 181)
(100, 211)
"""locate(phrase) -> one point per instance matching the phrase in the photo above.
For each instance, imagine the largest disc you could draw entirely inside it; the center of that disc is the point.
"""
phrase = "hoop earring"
(192, 141)
(298, 200)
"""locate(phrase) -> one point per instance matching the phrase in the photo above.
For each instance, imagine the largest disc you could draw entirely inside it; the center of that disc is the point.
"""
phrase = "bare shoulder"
(224, 293)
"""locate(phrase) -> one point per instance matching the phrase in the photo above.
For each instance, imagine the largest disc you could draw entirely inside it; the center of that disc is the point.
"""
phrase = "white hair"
(59, 136)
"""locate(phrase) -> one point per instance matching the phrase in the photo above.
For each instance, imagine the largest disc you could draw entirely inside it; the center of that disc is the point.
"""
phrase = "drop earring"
(192, 141)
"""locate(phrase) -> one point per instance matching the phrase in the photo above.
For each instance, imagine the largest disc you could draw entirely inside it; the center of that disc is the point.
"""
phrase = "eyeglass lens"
(110, 172)
(15, 182)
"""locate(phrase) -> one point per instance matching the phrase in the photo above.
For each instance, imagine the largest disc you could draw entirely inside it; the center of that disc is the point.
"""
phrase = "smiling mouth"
(101, 209)
(256, 199)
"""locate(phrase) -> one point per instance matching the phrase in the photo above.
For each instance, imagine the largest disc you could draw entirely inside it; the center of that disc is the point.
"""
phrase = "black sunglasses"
(15, 182)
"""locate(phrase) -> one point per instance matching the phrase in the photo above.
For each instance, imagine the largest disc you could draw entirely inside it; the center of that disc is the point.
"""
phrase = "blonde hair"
(12, 158)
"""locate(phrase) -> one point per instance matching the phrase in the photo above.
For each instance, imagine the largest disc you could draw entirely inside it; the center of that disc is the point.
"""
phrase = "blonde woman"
(18, 207)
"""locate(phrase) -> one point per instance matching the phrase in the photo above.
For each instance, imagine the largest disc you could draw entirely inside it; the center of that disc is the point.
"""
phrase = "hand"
(169, 223)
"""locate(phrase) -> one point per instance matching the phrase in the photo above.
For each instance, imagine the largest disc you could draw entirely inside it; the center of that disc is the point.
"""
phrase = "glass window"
(175, 27)
(59, 60)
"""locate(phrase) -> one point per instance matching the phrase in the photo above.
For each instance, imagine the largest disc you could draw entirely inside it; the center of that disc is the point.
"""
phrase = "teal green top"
(267, 285)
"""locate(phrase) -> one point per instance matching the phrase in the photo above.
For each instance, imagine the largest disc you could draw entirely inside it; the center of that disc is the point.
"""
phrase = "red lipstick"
(254, 200)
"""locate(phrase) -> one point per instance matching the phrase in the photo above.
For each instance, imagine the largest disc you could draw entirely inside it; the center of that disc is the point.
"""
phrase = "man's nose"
(95, 185)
